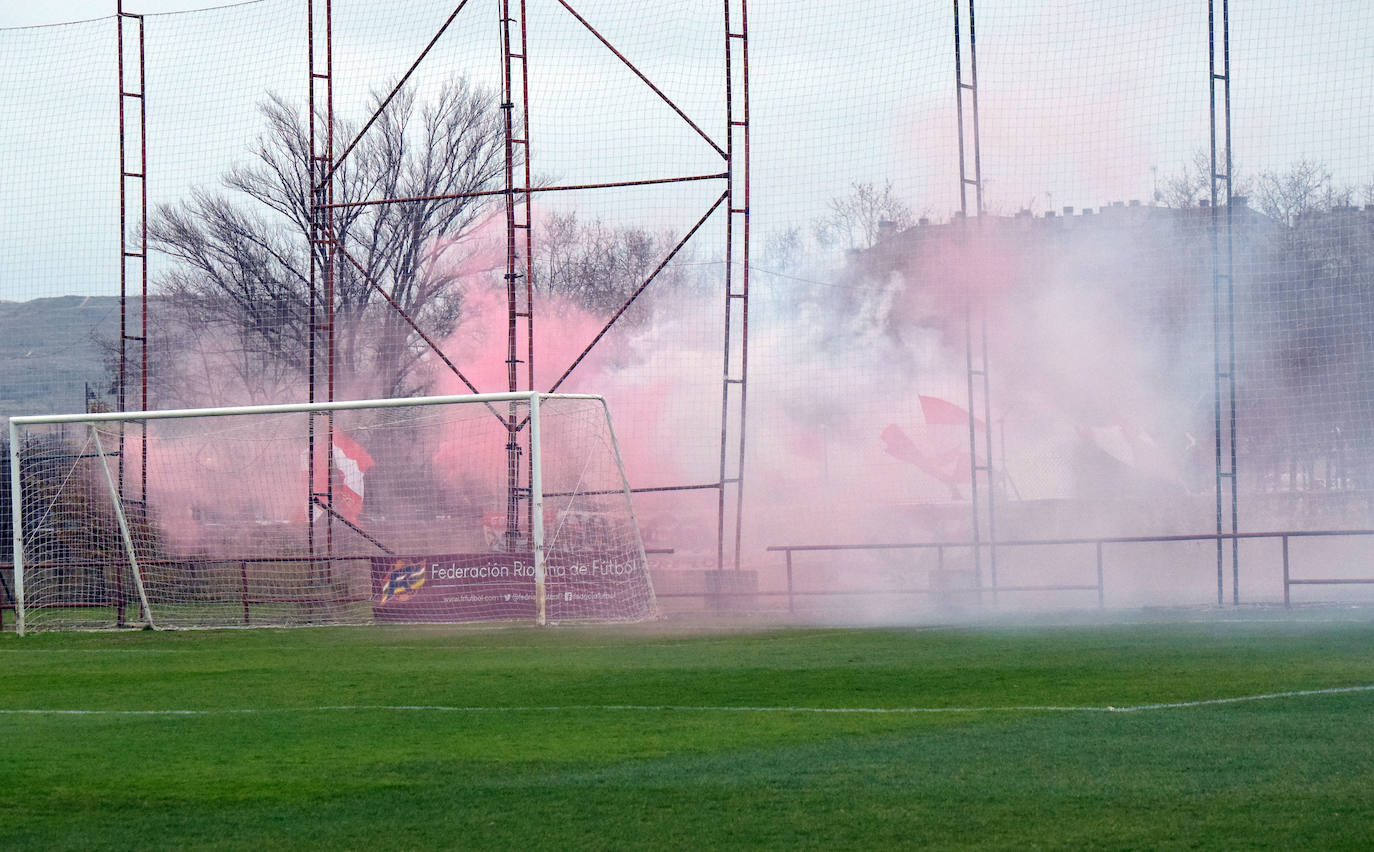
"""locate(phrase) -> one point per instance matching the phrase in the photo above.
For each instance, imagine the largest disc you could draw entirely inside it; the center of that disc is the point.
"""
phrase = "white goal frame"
(91, 419)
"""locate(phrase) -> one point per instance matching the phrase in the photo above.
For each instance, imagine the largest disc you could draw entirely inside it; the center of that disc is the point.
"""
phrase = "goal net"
(438, 509)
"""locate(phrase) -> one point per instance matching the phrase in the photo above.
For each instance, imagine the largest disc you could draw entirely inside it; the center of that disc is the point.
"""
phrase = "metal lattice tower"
(734, 388)
(1223, 297)
(323, 256)
(328, 253)
(519, 247)
(133, 250)
(982, 482)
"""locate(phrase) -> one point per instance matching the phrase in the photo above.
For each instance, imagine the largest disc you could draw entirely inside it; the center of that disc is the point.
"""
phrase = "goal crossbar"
(292, 408)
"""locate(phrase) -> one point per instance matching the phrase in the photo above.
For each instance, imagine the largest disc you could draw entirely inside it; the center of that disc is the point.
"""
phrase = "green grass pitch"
(661, 736)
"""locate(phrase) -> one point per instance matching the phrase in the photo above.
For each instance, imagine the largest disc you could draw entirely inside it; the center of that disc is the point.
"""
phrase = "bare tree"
(597, 266)
(1192, 184)
(1304, 187)
(856, 220)
(784, 250)
(241, 277)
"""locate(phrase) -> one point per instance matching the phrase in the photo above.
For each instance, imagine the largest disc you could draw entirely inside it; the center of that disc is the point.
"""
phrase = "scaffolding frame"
(518, 194)
(324, 247)
(975, 315)
(734, 386)
(327, 253)
(519, 276)
(129, 30)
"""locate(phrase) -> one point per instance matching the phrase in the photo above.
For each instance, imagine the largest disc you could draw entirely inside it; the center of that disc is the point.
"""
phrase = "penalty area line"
(691, 708)
(1266, 696)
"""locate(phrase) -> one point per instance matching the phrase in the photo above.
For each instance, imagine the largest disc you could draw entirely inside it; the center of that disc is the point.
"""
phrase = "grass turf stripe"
(687, 708)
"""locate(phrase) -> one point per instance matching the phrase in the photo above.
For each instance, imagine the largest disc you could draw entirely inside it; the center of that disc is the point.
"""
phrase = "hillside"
(49, 352)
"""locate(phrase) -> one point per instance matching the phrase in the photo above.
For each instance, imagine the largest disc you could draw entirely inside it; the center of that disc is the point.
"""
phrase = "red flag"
(949, 466)
(940, 448)
(897, 444)
(350, 462)
(937, 412)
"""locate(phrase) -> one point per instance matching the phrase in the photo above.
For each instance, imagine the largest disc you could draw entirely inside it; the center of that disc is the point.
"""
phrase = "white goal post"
(506, 506)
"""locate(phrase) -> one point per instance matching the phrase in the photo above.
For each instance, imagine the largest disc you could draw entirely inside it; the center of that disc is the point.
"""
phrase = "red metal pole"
(126, 252)
(742, 169)
(329, 272)
(123, 281)
(323, 260)
(313, 248)
(736, 355)
(143, 251)
(514, 46)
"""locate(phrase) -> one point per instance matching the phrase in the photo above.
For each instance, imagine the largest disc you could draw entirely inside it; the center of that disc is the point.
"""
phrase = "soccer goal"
(435, 509)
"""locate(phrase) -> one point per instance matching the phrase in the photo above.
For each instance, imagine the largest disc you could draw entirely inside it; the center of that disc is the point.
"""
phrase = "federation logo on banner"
(403, 581)
(453, 587)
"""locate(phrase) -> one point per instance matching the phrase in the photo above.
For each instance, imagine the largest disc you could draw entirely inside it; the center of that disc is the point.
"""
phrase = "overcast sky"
(28, 14)
(1082, 102)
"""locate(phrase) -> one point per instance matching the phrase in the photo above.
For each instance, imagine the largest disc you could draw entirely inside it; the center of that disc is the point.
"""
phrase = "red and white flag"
(347, 470)
(352, 462)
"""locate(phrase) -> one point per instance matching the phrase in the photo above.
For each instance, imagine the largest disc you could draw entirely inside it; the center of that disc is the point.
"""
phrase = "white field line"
(689, 708)
(27, 651)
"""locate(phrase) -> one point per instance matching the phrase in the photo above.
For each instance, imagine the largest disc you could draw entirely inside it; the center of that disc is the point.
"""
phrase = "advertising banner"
(500, 587)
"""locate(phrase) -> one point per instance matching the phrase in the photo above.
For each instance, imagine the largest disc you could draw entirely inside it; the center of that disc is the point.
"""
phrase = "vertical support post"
(972, 88)
(975, 311)
(323, 258)
(143, 261)
(124, 530)
(1287, 601)
(1101, 597)
(132, 211)
(243, 588)
(1223, 298)
(519, 255)
(734, 395)
(791, 605)
(17, 528)
(537, 513)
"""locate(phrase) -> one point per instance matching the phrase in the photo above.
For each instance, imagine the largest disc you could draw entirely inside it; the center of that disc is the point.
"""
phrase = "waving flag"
(939, 447)
(938, 412)
(347, 470)
(352, 462)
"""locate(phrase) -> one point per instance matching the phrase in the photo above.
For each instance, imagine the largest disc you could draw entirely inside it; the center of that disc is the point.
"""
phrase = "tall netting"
(1061, 264)
(620, 99)
(1089, 278)
(59, 236)
(412, 516)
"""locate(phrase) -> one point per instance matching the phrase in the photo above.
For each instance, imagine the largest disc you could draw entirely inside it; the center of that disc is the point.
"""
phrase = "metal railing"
(792, 593)
(1098, 543)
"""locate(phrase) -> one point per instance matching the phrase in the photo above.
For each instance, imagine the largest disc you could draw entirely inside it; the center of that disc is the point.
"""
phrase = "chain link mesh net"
(1089, 274)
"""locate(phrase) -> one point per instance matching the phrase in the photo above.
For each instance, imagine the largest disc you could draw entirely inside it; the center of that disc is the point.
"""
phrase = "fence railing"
(1098, 543)
(245, 598)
